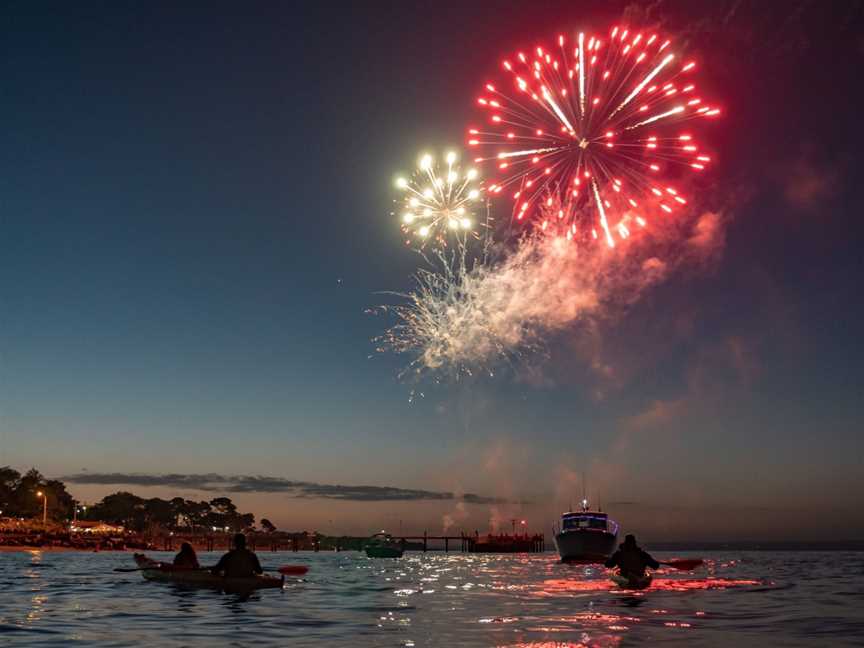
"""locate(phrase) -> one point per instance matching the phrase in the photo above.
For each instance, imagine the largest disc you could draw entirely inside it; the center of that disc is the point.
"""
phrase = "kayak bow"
(631, 583)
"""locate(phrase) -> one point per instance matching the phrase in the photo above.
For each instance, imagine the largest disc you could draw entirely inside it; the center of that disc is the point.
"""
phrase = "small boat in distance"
(382, 545)
(585, 536)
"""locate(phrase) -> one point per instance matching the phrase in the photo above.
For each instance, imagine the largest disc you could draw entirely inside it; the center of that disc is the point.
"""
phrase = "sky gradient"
(195, 205)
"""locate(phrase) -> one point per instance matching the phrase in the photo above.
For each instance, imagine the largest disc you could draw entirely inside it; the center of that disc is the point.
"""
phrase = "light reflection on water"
(757, 598)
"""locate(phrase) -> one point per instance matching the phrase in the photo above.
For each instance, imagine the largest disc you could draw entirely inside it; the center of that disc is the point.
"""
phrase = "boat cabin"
(588, 521)
(584, 520)
(382, 537)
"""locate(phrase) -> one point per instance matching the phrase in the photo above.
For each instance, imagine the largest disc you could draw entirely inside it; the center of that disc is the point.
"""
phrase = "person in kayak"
(186, 558)
(239, 562)
(631, 560)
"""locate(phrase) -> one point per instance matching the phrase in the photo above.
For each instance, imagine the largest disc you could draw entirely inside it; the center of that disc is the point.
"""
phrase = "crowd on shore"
(31, 535)
(66, 540)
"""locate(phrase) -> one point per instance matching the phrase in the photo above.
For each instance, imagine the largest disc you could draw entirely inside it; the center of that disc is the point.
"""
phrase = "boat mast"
(585, 490)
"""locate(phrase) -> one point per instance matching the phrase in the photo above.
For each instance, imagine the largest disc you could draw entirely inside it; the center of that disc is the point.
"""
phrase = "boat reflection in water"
(585, 536)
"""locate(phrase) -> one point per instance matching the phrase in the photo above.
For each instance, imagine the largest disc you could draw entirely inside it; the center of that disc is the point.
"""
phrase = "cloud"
(708, 236)
(716, 373)
(212, 482)
(657, 414)
(806, 184)
(743, 358)
(812, 177)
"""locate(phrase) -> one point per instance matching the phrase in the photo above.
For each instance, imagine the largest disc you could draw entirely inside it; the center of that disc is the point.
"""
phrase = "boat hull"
(153, 570)
(585, 546)
(383, 552)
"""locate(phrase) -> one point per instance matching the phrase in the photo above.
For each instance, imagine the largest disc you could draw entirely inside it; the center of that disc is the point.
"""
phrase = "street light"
(76, 510)
(44, 497)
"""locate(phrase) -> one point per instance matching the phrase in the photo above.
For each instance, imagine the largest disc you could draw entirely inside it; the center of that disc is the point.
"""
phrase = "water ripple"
(755, 598)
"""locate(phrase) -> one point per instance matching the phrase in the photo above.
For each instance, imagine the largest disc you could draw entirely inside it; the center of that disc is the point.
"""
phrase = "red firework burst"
(588, 143)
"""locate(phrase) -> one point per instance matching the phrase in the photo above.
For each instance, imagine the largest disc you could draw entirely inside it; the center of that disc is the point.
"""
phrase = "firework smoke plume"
(461, 319)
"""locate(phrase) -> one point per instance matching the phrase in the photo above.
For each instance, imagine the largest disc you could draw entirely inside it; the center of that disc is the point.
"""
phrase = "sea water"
(436, 599)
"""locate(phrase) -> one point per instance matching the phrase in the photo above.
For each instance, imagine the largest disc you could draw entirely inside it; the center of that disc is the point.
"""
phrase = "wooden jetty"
(502, 543)
(464, 542)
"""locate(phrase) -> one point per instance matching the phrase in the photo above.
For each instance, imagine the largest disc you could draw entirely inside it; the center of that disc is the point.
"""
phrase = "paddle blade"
(685, 564)
(293, 570)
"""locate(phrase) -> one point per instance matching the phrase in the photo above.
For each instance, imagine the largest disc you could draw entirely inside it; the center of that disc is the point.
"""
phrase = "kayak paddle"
(683, 564)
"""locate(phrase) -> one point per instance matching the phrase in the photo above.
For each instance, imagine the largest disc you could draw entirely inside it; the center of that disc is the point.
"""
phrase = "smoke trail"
(458, 515)
(461, 319)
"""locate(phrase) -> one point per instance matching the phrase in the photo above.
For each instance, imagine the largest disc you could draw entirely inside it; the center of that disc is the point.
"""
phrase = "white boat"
(585, 536)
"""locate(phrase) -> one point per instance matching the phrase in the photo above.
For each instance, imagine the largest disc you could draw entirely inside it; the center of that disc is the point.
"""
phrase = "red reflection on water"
(598, 619)
(598, 642)
(683, 585)
(612, 628)
(555, 586)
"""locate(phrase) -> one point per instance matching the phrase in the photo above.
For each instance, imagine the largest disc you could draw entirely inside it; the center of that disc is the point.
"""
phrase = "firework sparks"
(460, 321)
(448, 325)
(439, 200)
(589, 146)
(594, 125)
(463, 319)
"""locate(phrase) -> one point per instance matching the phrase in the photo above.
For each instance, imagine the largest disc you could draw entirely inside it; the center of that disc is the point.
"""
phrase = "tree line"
(18, 498)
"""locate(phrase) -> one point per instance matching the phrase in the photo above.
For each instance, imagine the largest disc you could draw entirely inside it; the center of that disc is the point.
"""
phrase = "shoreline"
(52, 549)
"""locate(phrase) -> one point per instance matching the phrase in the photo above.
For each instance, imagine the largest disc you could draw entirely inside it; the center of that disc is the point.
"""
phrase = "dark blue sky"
(184, 185)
